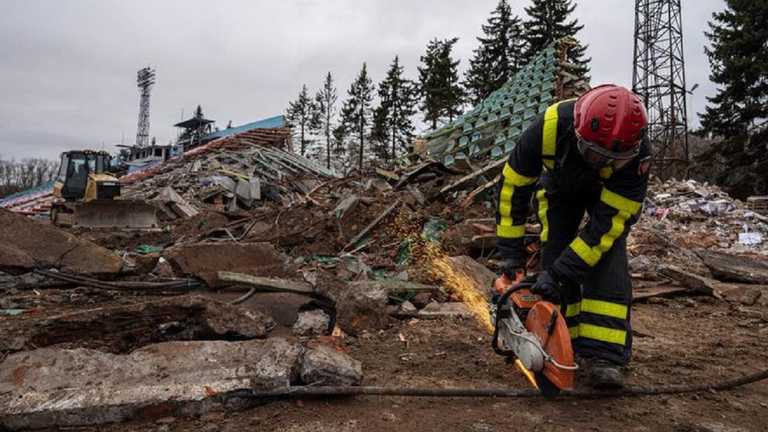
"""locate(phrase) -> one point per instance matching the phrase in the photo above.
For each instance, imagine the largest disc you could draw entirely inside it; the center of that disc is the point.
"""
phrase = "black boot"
(604, 375)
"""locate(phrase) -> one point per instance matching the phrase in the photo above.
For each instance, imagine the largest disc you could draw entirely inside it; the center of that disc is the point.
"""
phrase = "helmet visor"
(599, 157)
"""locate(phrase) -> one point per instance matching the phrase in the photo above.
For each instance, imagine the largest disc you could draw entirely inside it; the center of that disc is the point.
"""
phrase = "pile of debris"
(701, 216)
(695, 238)
(233, 173)
(31, 202)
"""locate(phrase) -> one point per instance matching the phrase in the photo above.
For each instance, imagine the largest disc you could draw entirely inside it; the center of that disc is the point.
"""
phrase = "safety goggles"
(598, 157)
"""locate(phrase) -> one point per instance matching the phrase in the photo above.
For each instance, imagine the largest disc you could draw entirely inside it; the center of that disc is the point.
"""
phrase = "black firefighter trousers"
(598, 310)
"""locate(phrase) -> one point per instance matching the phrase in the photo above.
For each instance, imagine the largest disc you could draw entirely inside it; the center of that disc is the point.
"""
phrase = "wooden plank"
(372, 225)
(471, 197)
(657, 291)
(488, 168)
(266, 283)
(390, 175)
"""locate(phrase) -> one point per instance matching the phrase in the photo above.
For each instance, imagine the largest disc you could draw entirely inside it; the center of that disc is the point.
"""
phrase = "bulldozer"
(87, 195)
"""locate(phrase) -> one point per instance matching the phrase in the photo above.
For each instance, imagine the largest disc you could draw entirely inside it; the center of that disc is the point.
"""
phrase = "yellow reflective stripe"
(541, 197)
(600, 307)
(617, 227)
(516, 178)
(511, 179)
(506, 192)
(572, 310)
(505, 209)
(587, 254)
(574, 331)
(549, 136)
(510, 231)
(603, 334)
(592, 255)
(626, 208)
(606, 172)
(619, 202)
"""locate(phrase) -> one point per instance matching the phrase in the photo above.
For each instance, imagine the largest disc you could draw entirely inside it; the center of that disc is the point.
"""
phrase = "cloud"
(69, 67)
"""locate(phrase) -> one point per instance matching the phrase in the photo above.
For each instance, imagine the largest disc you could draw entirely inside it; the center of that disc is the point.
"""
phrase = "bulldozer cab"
(88, 191)
(74, 169)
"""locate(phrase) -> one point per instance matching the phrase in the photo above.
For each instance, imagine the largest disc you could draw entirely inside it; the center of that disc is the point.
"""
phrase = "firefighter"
(587, 155)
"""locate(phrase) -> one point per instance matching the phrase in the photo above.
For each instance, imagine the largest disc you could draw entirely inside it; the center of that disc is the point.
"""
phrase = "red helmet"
(610, 122)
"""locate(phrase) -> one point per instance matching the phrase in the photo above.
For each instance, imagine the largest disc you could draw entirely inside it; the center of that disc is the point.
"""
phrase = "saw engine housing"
(535, 332)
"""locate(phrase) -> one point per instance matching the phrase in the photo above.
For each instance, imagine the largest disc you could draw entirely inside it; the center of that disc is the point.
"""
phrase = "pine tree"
(302, 113)
(549, 20)
(379, 132)
(738, 57)
(439, 82)
(392, 123)
(325, 100)
(499, 56)
(356, 112)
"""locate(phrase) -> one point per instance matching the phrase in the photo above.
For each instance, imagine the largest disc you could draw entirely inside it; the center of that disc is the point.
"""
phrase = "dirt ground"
(681, 340)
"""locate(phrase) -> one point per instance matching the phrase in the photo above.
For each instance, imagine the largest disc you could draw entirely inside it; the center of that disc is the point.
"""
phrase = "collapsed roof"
(491, 129)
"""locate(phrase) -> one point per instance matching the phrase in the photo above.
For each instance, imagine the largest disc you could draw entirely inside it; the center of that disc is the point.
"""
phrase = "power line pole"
(659, 77)
(145, 80)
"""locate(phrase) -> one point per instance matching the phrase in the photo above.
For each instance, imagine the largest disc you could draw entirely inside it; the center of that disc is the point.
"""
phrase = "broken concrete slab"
(404, 310)
(323, 365)
(205, 259)
(313, 322)
(747, 295)
(52, 387)
(421, 299)
(248, 191)
(122, 328)
(407, 307)
(361, 305)
(735, 268)
(694, 282)
(346, 206)
(29, 244)
(168, 197)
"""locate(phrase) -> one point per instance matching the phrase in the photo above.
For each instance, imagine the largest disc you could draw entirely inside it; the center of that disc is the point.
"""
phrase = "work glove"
(547, 287)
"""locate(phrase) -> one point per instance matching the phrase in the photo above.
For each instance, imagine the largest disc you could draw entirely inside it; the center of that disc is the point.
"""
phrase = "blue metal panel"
(267, 123)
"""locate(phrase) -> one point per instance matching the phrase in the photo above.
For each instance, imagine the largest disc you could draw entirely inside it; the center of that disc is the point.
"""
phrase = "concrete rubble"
(55, 387)
(323, 365)
(311, 323)
(29, 245)
(316, 257)
(205, 259)
(122, 328)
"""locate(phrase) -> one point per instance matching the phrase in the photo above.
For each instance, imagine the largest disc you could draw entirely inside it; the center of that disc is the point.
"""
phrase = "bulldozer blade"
(124, 214)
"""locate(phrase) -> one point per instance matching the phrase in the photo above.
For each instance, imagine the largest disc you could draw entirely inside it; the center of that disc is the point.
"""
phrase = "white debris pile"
(684, 220)
(704, 216)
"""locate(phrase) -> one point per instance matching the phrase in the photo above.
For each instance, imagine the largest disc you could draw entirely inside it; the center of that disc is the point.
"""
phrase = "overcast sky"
(68, 67)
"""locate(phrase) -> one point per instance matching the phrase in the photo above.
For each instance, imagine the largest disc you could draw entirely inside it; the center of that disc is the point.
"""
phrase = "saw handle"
(504, 299)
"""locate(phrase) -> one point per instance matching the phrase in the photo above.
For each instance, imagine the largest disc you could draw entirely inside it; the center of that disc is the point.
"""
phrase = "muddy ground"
(679, 340)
